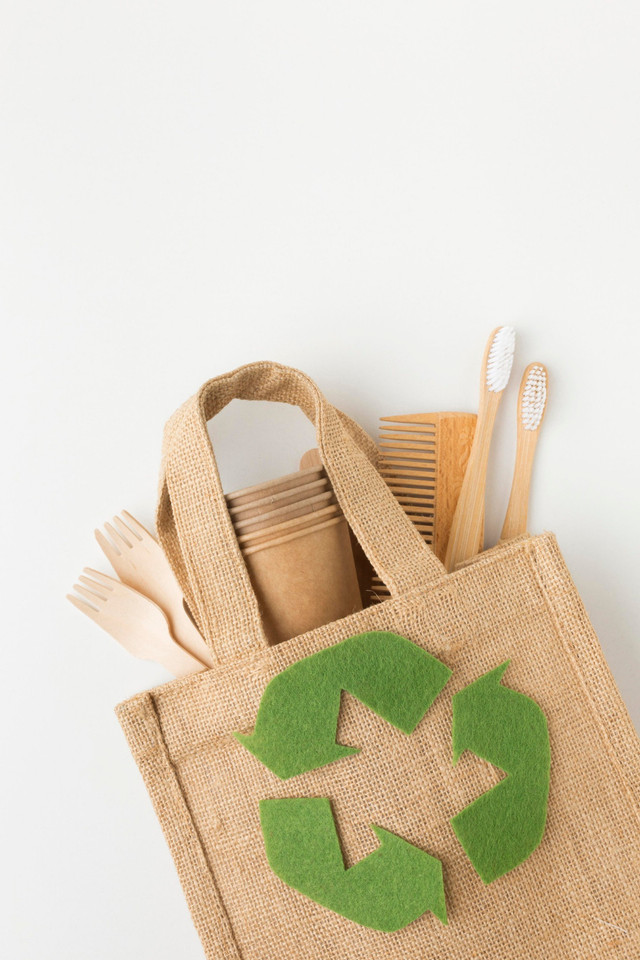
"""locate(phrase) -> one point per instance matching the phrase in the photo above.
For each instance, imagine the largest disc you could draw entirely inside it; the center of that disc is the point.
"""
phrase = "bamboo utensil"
(140, 562)
(532, 405)
(133, 620)
(465, 539)
(423, 458)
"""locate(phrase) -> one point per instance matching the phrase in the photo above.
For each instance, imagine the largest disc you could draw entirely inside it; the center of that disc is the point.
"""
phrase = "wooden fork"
(133, 620)
(140, 562)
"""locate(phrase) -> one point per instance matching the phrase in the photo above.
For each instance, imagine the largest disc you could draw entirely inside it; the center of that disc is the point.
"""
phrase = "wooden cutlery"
(133, 620)
(140, 562)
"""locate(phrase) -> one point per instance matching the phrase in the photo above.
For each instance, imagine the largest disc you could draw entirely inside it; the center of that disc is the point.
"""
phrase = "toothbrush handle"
(467, 528)
(515, 521)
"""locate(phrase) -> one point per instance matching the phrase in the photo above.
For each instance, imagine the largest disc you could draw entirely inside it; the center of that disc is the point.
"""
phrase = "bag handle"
(196, 530)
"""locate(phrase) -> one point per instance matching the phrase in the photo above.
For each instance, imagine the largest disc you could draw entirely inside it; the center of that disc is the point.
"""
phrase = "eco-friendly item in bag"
(140, 563)
(456, 753)
(135, 621)
(467, 527)
(297, 549)
(423, 458)
(532, 406)
(304, 578)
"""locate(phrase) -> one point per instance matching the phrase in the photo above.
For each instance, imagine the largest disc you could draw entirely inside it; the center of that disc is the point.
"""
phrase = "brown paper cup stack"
(296, 544)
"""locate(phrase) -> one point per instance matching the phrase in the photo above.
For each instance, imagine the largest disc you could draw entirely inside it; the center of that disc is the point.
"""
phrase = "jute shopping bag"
(308, 791)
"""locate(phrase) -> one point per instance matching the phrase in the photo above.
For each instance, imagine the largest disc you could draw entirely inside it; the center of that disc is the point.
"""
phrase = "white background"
(361, 189)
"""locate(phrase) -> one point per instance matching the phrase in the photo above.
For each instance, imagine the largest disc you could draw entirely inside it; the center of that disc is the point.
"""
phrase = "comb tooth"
(412, 486)
(426, 439)
(408, 430)
(418, 517)
(412, 471)
(413, 453)
(415, 505)
(408, 477)
(406, 488)
(421, 509)
(409, 469)
(404, 453)
(417, 474)
(404, 463)
(408, 457)
(397, 447)
(408, 453)
(417, 430)
(416, 457)
(409, 463)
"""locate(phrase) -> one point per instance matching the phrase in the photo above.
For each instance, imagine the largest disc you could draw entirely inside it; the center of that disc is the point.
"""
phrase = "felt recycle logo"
(295, 732)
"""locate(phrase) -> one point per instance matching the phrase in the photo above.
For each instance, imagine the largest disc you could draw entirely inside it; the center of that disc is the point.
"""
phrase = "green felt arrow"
(297, 718)
(386, 890)
(504, 826)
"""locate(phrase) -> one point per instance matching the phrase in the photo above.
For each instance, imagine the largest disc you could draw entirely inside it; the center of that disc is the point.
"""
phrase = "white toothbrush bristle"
(500, 359)
(534, 397)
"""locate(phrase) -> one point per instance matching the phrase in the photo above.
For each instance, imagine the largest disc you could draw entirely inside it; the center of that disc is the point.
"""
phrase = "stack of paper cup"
(297, 548)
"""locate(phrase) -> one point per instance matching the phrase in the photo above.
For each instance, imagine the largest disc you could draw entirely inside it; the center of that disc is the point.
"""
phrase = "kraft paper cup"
(255, 508)
(304, 579)
(271, 487)
(308, 506)
(264, 534)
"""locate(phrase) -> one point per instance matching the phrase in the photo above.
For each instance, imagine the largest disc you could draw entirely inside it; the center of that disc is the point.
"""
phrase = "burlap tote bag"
(450, 774)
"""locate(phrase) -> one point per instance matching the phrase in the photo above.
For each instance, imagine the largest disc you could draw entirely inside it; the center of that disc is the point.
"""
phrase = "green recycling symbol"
(295, 732)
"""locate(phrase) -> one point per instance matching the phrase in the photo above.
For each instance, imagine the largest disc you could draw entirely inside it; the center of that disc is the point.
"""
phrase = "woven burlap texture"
(576, 898)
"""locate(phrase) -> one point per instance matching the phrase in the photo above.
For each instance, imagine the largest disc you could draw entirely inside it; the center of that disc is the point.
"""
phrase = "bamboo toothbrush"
(532, 405)
(467, 529)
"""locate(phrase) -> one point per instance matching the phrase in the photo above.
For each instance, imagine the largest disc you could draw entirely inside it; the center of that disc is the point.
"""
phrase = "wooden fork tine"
(84, 607)
(120, 541)
(102, 578)
(92, 597)
(110, 551)
(130, 527)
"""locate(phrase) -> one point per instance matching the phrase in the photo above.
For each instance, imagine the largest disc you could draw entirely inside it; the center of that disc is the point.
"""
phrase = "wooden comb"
(423, 458)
